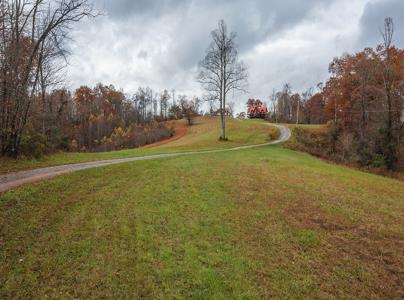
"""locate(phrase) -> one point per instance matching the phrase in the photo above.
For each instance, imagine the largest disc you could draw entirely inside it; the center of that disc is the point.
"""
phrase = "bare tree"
(230, 109)
(221, 71)
(273, 100)
(141, 103)
(164, 98)
(392, 134)
(32, 35)
(302, 102)
(296, 101)
(284, 103)
(173, 94)
(189, 108)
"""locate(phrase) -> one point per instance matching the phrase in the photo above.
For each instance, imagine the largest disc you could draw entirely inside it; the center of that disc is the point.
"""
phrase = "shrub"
(133, 136)
(33, 144)
(74, 146)
(274, 133)
(378, 161)
(313, 141)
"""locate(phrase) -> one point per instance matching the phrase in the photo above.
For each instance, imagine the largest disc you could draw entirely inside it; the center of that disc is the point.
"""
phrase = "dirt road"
(12, 180)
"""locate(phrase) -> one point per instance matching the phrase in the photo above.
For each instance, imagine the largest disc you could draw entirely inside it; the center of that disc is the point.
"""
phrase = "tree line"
(102, 118)
(33, 35)
(362, 102)
(38, 115)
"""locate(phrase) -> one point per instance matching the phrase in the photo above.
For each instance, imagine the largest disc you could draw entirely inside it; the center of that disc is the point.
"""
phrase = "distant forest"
(39, 116)
(362, 103)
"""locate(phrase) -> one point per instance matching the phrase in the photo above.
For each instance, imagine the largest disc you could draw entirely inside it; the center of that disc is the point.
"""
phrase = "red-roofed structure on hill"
(256, 109)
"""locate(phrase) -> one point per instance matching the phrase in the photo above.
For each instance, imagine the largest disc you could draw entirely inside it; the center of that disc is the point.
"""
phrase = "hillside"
(201, 136)
(257, 223)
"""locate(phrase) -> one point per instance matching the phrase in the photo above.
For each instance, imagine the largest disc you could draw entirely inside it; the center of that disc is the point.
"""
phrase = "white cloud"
(160, 45)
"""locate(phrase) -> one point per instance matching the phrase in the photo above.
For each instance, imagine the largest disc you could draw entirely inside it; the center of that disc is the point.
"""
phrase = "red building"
(256, 109)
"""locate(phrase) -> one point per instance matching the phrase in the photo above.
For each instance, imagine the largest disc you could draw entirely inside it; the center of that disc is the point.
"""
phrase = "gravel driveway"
(12, 180)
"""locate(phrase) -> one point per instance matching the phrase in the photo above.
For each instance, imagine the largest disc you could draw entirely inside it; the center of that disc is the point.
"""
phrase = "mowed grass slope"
(257, 223)
(201, 136)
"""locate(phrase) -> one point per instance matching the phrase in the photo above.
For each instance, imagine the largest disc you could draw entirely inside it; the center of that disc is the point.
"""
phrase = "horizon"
(159, 45)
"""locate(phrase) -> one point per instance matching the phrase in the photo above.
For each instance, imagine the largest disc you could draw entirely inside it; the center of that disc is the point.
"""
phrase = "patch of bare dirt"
(180, 131)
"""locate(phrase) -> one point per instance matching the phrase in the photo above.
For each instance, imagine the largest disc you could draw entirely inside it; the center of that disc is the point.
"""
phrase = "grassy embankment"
(201, 136)
(257, 223)
(315, 140)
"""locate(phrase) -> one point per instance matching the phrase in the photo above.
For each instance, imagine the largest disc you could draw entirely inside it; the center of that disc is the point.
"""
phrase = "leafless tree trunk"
(391, 142)
(220, 70)
(273, 99)
(32, 36)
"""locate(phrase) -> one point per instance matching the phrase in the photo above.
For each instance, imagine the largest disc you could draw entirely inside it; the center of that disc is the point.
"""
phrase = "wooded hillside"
(362, 102)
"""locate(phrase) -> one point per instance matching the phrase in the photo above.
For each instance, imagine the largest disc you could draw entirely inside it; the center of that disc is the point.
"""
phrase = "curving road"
(12, 180)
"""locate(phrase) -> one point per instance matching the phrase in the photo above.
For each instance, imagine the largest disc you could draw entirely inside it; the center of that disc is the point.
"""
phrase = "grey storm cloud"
(252, 20)
(372, 22)
(158, 43)
(125, 8)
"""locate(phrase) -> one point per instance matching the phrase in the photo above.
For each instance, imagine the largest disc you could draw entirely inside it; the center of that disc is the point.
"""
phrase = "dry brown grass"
(258, 223)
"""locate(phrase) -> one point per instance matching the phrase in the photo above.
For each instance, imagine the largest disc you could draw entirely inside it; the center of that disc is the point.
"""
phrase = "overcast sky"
(158, 43)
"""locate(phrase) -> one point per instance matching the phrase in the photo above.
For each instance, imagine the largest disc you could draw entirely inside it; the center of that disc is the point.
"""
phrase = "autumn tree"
(313, 108)
(164, 104)
(284, 104)
(392, 84)
(32, 35)
(364, 97)
(252, 103)
(189, 108)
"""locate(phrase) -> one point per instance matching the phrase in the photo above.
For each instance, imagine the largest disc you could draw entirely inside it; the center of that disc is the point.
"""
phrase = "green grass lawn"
(259, 223)
(204, 135)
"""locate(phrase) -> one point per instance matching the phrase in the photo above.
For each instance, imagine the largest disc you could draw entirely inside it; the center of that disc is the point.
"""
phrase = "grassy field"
(259, 223)
(201, 136)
